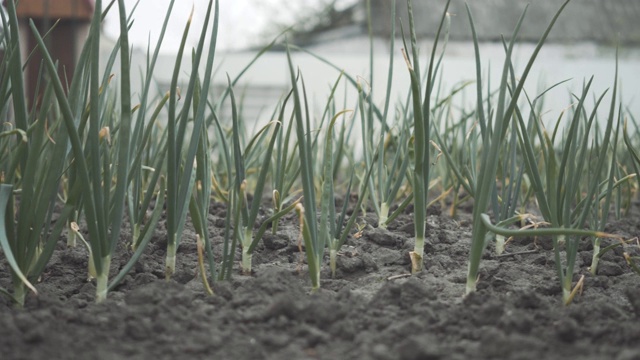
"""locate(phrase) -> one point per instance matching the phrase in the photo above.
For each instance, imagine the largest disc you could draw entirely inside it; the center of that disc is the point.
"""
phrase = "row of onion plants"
(88, 157)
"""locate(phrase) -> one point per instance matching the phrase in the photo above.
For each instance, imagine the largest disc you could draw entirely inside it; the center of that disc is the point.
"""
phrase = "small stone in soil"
(274, 242)
(34, 336)
(528, 300)
(567, 330)
(281, 306)
(381, 237)
(349, 265)
(608, 268)
(408, 228)
(182, 277)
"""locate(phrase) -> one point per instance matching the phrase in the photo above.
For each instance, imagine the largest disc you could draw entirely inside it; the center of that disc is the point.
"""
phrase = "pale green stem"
(566, 289)
(102, 280)
(136, 235)
(170, 260)
(246, 261)
(246, 256)
(384, 215)
(471, 284)
(316, 276)
(595, 259)
(19, 293)
(500, 243)
(91, 271)
(277, 206)
(34, 260)
(333, 254)
(71, 238)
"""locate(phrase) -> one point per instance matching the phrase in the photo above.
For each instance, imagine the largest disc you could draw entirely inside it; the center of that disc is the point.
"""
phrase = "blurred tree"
(303, 16)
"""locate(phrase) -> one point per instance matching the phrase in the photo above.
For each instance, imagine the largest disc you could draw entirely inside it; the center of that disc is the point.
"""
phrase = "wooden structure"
(64, 42)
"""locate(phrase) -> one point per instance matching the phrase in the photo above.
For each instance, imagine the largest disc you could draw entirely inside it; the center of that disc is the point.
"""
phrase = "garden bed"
(373, 309)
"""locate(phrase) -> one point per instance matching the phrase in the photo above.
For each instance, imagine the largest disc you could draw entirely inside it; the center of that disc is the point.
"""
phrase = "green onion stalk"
(341, 230)
(601, 209)
(314, 244)
(493, 140)
(568, 294)
(251, 239)
(330, 226)
(27, 239)
(148, 149)
(504, 201)
(103, 208)
(183, 147)
(421, 136)
(390, 178)
(250, 214)
(567, 197)
(634, 155)
(28, 232)
(284, 173)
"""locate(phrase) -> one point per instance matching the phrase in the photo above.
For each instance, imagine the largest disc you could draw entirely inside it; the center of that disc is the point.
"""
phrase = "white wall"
(268, 79)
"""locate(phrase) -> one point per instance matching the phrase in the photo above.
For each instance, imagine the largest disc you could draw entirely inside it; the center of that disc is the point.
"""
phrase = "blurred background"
(251, 23)
(243, 23)
(582, 44)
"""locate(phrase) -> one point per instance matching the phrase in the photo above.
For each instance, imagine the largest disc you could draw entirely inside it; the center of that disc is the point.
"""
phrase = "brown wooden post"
(64, 42)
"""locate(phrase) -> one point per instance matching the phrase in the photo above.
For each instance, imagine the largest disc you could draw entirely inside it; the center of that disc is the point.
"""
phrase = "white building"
(342, 39)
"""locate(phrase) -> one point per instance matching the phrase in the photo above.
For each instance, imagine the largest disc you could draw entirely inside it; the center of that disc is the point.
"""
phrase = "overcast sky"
(242, 22)
(237, 21)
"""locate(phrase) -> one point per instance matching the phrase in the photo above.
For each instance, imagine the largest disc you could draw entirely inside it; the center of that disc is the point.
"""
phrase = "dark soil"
(373, 309)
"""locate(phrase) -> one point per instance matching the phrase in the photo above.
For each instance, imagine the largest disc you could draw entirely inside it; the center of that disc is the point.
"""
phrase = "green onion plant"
(284, 170)
(32, 152)
(421, 135)
(183, 147)
(103, 203)
(327, 231)
(565, 195)
(493, 138)
(242, 159)
(88, 148)
(148, 152)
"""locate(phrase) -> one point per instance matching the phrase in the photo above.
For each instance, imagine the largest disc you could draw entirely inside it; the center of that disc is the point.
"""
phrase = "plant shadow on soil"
(372, 310)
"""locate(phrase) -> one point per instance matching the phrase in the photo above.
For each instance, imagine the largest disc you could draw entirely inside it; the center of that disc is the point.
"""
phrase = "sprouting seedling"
(249, 214)
(91, 272)
(421, 136)
(317, 236)
(183, 147)
(201, 267)
(103, 205)
(568, 294)
(493, 140)
(332, 225)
